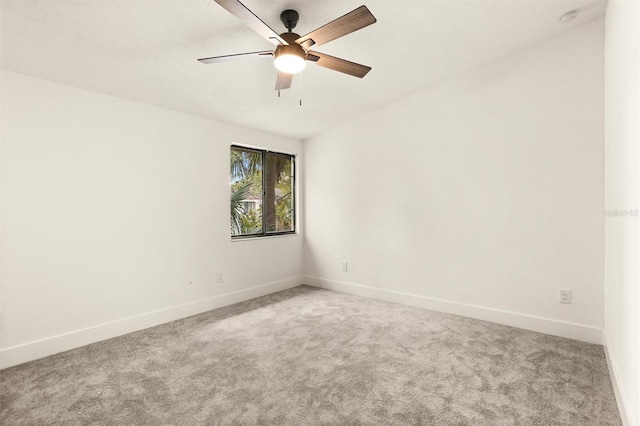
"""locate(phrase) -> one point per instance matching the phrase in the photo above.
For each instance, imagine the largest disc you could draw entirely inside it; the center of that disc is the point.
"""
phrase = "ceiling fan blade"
(283, 81)
(248, 18)
(236, 57)
(338, 64)
(346, 24)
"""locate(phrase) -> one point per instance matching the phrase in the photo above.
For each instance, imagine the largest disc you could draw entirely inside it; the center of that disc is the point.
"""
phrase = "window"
(262, 193)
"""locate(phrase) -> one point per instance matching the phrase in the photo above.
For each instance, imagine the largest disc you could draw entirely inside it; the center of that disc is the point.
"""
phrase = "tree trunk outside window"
(271, 173)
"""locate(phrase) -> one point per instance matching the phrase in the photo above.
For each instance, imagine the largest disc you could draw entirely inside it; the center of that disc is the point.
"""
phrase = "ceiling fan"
(292, 50)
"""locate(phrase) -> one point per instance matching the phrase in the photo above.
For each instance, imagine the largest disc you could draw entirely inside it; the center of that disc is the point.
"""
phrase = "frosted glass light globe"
(289, 64)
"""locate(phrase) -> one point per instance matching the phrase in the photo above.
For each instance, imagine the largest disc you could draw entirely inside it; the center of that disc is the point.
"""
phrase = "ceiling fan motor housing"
(292, 49)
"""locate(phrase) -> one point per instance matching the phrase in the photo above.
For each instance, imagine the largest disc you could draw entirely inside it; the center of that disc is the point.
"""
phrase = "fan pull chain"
(300, 88)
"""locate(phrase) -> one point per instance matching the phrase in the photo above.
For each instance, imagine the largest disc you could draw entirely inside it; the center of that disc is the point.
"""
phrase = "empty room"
(223, 212)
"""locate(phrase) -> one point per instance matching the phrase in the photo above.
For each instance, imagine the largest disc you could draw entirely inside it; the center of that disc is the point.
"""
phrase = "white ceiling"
(146, 51)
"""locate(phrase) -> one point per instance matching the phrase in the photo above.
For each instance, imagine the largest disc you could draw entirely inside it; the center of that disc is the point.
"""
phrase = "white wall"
(116, 217)
(481, 196)
(622, 137)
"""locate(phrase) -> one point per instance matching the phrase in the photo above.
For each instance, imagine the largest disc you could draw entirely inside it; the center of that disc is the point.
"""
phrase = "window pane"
(278, 193)
(262, 192)
(246, 191)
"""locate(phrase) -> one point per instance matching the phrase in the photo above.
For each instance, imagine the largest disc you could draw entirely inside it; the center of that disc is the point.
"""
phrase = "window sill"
(267, 237)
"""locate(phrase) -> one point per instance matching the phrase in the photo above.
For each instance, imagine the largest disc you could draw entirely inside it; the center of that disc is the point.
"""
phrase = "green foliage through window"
(262, 192)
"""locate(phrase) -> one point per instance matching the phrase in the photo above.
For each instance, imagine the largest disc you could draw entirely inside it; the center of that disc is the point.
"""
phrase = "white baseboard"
(621, 398)
(527, 322)
(52, 345)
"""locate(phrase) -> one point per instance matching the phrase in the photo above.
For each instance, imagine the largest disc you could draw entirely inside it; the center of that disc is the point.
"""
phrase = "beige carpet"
(314, 357)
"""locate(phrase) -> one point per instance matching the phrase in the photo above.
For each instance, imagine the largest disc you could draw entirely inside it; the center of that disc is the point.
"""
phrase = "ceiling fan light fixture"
(289, 64)
(290, 59)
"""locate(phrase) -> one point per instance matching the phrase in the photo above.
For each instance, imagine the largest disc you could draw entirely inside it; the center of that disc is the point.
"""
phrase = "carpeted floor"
(314, 357)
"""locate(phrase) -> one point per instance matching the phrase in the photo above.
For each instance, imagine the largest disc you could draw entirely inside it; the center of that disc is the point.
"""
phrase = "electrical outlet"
(344, 266)
(565, 296)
